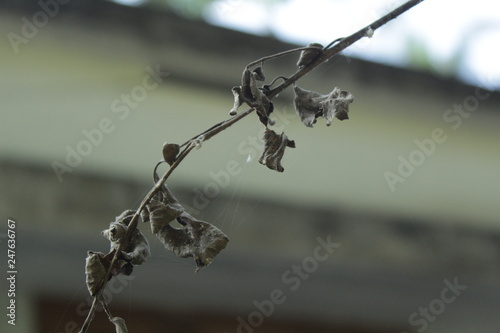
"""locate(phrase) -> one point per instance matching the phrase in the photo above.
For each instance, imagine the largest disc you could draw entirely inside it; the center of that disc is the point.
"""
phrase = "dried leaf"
(237, 100)
(307, 105)
(126, 216)
(95, 271)
(274, 149)
(115, 233)
(311, 105)
(120, 265)
(119, 324)
(200, 240)
(261, 102)
(259, 74)
(307, 56)
(196, 239)
(127, 269)
(96, 268)
(246, 92)
(337, 105)
(170, 152)
(161, 214)
(136, 251)
(253, 96)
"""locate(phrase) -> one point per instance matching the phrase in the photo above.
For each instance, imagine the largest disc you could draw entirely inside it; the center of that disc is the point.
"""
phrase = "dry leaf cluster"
(181, 233)
(309, 105)
(191, 237)
(197, 239)
(178, 231)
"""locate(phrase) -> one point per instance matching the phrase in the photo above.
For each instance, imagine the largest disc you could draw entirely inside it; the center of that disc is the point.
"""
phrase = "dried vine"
(199, 239)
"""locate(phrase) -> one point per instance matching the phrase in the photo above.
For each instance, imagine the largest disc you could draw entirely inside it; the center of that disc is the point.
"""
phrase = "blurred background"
(387, 222)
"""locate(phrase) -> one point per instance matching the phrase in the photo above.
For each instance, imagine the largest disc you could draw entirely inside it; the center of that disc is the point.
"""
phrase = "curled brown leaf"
(261, 102)
(95, 271)
(311, 105)
(274, 149)
(258, 73)
(159, 214)
(337, 105)
(237, 100)
(200, 240)
(253, 96)
(97, 265)
(136, 251)
(307, 105)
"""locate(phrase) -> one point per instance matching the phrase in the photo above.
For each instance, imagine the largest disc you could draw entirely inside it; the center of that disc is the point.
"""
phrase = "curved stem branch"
(327, 53)
(343, 44)
(280, 54)
(90, 315)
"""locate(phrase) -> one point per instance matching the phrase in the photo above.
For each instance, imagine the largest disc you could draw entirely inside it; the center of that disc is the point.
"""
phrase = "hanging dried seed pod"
(170, 152)
(309, 55)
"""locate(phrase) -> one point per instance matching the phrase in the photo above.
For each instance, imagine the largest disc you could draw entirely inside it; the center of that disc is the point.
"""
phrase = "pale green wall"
(57, 86)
